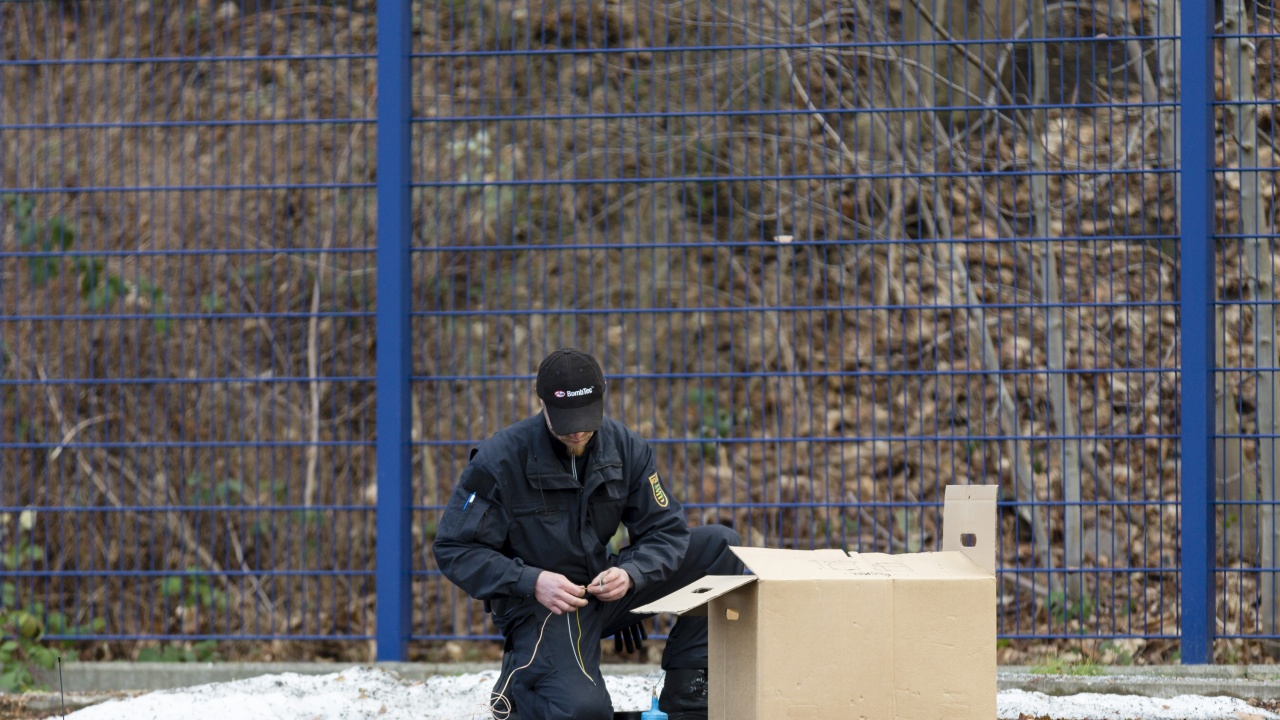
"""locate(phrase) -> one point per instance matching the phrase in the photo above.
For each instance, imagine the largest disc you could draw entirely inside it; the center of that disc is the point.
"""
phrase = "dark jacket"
(518, 509)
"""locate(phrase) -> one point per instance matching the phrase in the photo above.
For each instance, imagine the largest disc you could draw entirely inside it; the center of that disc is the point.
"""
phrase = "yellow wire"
(499, 705)
(581, 663)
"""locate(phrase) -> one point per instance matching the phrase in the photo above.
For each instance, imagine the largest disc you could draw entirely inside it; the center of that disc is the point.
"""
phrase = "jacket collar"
(549, 455)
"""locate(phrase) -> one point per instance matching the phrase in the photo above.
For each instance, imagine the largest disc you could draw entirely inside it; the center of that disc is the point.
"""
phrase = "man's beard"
(576, 450)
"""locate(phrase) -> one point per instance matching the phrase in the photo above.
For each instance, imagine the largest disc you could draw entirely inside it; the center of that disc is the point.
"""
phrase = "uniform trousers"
(563, 680)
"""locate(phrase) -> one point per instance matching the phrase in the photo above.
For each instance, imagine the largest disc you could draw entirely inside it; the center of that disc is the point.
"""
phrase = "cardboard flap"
(781, 564)
(695, 595)
(774, 564)
(969, 523)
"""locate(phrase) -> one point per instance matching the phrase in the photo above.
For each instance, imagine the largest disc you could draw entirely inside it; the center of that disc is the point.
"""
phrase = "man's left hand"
(611, 584)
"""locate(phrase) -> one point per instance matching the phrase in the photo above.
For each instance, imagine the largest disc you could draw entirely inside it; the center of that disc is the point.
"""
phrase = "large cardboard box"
(859, 636)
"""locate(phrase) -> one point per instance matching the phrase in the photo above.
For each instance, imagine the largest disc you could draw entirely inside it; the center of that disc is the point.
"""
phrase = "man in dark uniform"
(528, 528)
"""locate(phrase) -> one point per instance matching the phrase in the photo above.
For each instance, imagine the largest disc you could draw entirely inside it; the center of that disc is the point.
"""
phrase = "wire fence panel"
(833, 257)
(1244, 383)
(188, 318)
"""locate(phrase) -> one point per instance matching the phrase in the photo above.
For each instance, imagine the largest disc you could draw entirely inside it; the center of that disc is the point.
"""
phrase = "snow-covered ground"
(371, 694)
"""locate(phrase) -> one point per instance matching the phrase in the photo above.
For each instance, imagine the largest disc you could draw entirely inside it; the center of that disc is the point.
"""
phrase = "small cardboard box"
(824, 634)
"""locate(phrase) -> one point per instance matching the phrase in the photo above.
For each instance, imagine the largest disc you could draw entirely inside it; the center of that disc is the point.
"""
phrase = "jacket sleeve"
(655, 519)
(469, 540)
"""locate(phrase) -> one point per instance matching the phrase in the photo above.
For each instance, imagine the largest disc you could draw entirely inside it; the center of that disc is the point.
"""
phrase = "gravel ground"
(372, 694)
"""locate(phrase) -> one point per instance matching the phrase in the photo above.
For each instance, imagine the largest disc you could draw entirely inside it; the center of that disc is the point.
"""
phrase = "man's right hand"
(557, 594)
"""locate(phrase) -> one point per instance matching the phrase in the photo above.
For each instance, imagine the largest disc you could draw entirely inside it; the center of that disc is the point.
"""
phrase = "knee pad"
(719, 539)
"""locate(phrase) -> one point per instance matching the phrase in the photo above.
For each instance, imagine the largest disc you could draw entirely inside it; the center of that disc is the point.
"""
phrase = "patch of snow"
(360, 693)
(1014, 704)
(354, 694)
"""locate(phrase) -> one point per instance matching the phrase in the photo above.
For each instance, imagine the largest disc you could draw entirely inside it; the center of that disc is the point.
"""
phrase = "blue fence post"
(1197, 291)
(394, 354)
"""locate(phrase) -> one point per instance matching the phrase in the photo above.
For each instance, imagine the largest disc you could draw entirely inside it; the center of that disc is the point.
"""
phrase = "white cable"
(500, 696)
(499, 703)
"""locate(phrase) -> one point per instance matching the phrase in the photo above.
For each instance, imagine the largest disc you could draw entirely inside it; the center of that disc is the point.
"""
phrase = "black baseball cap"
(571, 386)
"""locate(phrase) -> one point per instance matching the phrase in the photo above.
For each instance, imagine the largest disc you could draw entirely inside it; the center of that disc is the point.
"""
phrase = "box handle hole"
(968, 539)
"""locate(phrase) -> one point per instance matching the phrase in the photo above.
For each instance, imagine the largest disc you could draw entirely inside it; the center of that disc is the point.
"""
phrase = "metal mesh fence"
(1244, 341)
(832, 256)
(187, 325)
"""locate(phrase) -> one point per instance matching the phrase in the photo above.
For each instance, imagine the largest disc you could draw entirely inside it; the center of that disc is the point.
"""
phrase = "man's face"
(576, 443)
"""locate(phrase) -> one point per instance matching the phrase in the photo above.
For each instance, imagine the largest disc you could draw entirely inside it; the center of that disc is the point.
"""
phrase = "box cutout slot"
(968, 539)
(731, 614)
(701, 590)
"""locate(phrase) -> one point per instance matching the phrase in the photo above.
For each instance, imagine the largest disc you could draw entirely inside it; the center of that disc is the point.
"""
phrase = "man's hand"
(611, 584)
(557, 594)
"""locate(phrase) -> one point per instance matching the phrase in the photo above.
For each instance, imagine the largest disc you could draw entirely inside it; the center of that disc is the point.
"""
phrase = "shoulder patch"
(659, 495)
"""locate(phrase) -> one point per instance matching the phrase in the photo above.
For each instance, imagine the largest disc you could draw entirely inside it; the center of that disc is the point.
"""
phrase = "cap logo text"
(575, 393)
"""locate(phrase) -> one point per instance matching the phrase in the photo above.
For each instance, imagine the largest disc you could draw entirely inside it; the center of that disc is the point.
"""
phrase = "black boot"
(684, 695)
